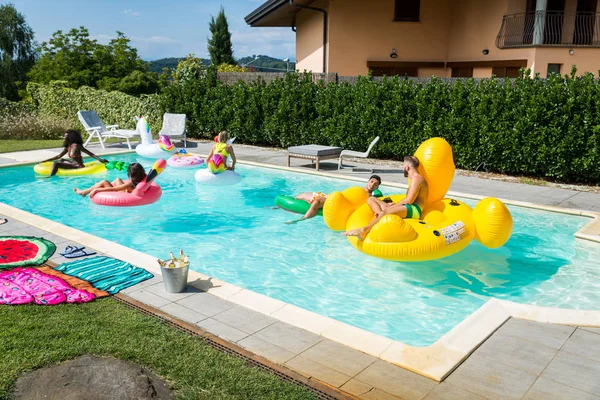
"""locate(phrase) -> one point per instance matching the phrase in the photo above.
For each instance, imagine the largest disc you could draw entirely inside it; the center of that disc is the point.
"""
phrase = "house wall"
(309, 38)
(585, 59)
(362, 31)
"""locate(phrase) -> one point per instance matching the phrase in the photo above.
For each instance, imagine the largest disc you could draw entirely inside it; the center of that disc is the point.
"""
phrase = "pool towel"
(28, 285)
(76, 252)
(105, 273)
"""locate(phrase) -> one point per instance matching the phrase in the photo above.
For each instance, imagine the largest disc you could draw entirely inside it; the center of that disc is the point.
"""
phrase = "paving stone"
(244, 319)
(339, 357)
(222, 330)
(159, 290)
(319, 371)
(183, 313)
(490, 379)
(584, 343)
(377, 394)
(206, 303)
(593, 330)
(582, 201)
(545, 389)
(517, 353)
(446, 391)
(547, 334)
(577, 372)
(356, 387)
(396, 380)
(148, 282)
(148, 298)
(266, 349)
(288, 337)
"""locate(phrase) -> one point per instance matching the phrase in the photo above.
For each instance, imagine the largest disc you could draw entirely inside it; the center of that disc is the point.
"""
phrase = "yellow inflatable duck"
(447, 226)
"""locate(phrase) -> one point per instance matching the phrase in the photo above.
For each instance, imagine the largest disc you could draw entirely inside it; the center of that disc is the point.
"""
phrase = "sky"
(158, 29)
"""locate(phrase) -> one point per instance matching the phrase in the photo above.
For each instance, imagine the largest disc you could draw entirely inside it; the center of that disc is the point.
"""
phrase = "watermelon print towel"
(19, 251)
(105, 273)
(28, 285)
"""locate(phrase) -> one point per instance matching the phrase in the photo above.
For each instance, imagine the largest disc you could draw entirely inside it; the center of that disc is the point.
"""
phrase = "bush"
(113, 108)
(20, 121)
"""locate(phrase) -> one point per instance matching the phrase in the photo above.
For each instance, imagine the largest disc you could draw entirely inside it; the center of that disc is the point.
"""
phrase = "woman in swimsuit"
(72, 146)
(224, 149)
(136, 174)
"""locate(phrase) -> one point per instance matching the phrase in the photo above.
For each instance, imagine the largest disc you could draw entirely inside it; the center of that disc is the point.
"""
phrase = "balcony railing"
(549, 28)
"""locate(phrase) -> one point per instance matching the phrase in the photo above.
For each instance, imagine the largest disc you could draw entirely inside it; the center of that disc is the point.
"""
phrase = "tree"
(17, 55)
(75, 58)
(219, 45)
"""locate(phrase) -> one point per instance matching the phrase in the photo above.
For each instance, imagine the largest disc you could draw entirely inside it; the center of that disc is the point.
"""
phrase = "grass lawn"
(33, 336)
(6, 146)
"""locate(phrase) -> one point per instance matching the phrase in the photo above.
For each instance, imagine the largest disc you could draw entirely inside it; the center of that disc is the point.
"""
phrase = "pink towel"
(27, 285)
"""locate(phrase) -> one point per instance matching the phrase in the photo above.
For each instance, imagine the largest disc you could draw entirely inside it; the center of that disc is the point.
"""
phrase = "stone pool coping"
(435, 361)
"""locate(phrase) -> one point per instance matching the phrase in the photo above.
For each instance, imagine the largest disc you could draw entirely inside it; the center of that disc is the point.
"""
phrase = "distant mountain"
(170, 63)
(261, 63)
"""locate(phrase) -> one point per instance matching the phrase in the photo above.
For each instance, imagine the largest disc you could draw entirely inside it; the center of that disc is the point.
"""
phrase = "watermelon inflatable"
(18, 251)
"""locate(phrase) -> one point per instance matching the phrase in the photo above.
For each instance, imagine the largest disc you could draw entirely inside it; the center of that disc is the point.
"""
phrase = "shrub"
(21, 121)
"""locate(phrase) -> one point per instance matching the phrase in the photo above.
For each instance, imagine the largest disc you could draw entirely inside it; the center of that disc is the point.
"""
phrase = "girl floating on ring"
(217, 158)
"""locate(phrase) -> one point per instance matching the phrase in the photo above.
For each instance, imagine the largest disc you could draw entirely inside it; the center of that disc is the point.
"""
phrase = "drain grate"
(320, 389)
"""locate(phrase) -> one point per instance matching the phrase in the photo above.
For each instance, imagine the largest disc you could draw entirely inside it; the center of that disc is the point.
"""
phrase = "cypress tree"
(219, 45)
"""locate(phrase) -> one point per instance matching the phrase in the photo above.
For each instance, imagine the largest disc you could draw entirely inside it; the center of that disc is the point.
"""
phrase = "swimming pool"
(232, 234)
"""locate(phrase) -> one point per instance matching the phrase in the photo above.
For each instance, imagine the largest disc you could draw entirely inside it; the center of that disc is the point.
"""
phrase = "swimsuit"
(220, 149)
(316, 196)
(413, 211)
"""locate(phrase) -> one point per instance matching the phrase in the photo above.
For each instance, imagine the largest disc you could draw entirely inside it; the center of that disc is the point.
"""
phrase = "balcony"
(549, 29)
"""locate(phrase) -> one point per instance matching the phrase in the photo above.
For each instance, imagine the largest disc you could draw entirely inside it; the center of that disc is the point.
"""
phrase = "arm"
(119, 188)
(210, 154)
(89, 153)
(62, 153)
(233, 159)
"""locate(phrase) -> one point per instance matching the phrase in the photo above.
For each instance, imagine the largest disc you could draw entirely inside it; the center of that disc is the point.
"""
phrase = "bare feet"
(79, 192)
(359, 233)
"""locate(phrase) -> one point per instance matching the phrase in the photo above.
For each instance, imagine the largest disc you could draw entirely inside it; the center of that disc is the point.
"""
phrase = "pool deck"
(521, 359)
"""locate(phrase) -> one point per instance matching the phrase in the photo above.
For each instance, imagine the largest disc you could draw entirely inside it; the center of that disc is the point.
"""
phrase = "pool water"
(231, 233)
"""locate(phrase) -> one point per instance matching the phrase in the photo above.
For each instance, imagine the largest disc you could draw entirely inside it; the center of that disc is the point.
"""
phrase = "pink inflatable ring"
(185, 160)
(146, 192)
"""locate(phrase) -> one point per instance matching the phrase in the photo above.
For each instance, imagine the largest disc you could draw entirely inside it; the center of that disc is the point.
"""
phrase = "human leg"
(315, 206)
(306, 196)
(397, 209)
(63, 165)
(377, 206)
(85, 192)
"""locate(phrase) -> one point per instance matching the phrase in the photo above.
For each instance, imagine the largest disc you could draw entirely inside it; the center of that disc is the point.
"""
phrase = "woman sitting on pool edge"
(317, 199)
(136, 174)
(72, 146)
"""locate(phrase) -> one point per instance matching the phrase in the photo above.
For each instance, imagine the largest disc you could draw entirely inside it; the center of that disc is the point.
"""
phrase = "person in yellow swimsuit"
(411, 206)
(224, 149)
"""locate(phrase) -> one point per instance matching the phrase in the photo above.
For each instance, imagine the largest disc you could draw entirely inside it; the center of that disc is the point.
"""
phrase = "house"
(447, 38)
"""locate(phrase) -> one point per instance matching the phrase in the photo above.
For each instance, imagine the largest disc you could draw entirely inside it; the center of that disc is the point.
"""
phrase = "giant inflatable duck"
(163, 149)
(446, 227)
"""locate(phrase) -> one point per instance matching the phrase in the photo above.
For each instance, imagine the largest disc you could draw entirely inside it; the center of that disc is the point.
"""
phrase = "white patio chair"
(174, 127)
(356, 154)
(96, 129)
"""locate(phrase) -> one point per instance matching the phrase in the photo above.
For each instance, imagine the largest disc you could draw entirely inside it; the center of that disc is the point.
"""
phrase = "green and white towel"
(105, 273)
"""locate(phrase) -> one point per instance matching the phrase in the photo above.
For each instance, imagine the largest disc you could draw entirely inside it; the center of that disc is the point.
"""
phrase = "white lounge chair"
(174, 127)
(356, 154)
(96, 129)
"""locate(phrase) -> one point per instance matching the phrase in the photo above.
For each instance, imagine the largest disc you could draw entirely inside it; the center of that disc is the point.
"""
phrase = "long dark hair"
(136, 173)
(73, 137)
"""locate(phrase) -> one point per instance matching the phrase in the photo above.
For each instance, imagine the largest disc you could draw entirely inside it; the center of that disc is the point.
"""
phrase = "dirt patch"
(92, 378)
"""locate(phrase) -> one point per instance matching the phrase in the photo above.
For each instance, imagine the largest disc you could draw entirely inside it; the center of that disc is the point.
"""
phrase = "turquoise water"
(232, 234)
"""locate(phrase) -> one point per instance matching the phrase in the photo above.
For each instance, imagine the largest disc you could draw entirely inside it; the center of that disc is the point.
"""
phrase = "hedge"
(114, 108)
(546, 128)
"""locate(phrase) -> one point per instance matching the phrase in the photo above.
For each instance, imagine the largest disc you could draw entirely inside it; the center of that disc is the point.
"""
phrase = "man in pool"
(410, 207)
(317, 199)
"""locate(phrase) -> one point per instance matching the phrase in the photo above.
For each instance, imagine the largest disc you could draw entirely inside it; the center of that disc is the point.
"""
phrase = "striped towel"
(105, 273)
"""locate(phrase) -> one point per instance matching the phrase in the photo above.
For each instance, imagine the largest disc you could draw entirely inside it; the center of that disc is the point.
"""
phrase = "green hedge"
(20, 120)
(536, 127)
(114, 108)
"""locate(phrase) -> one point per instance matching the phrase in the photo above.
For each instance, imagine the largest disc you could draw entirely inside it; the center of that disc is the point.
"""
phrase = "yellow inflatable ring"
(93, 167)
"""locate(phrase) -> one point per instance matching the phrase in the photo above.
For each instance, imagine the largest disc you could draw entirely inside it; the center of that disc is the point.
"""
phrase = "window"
(462, 72)
(407, 10)
(553, 69)
(506, 72)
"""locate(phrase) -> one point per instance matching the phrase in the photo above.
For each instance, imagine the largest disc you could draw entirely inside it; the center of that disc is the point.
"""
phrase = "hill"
(262, 63)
